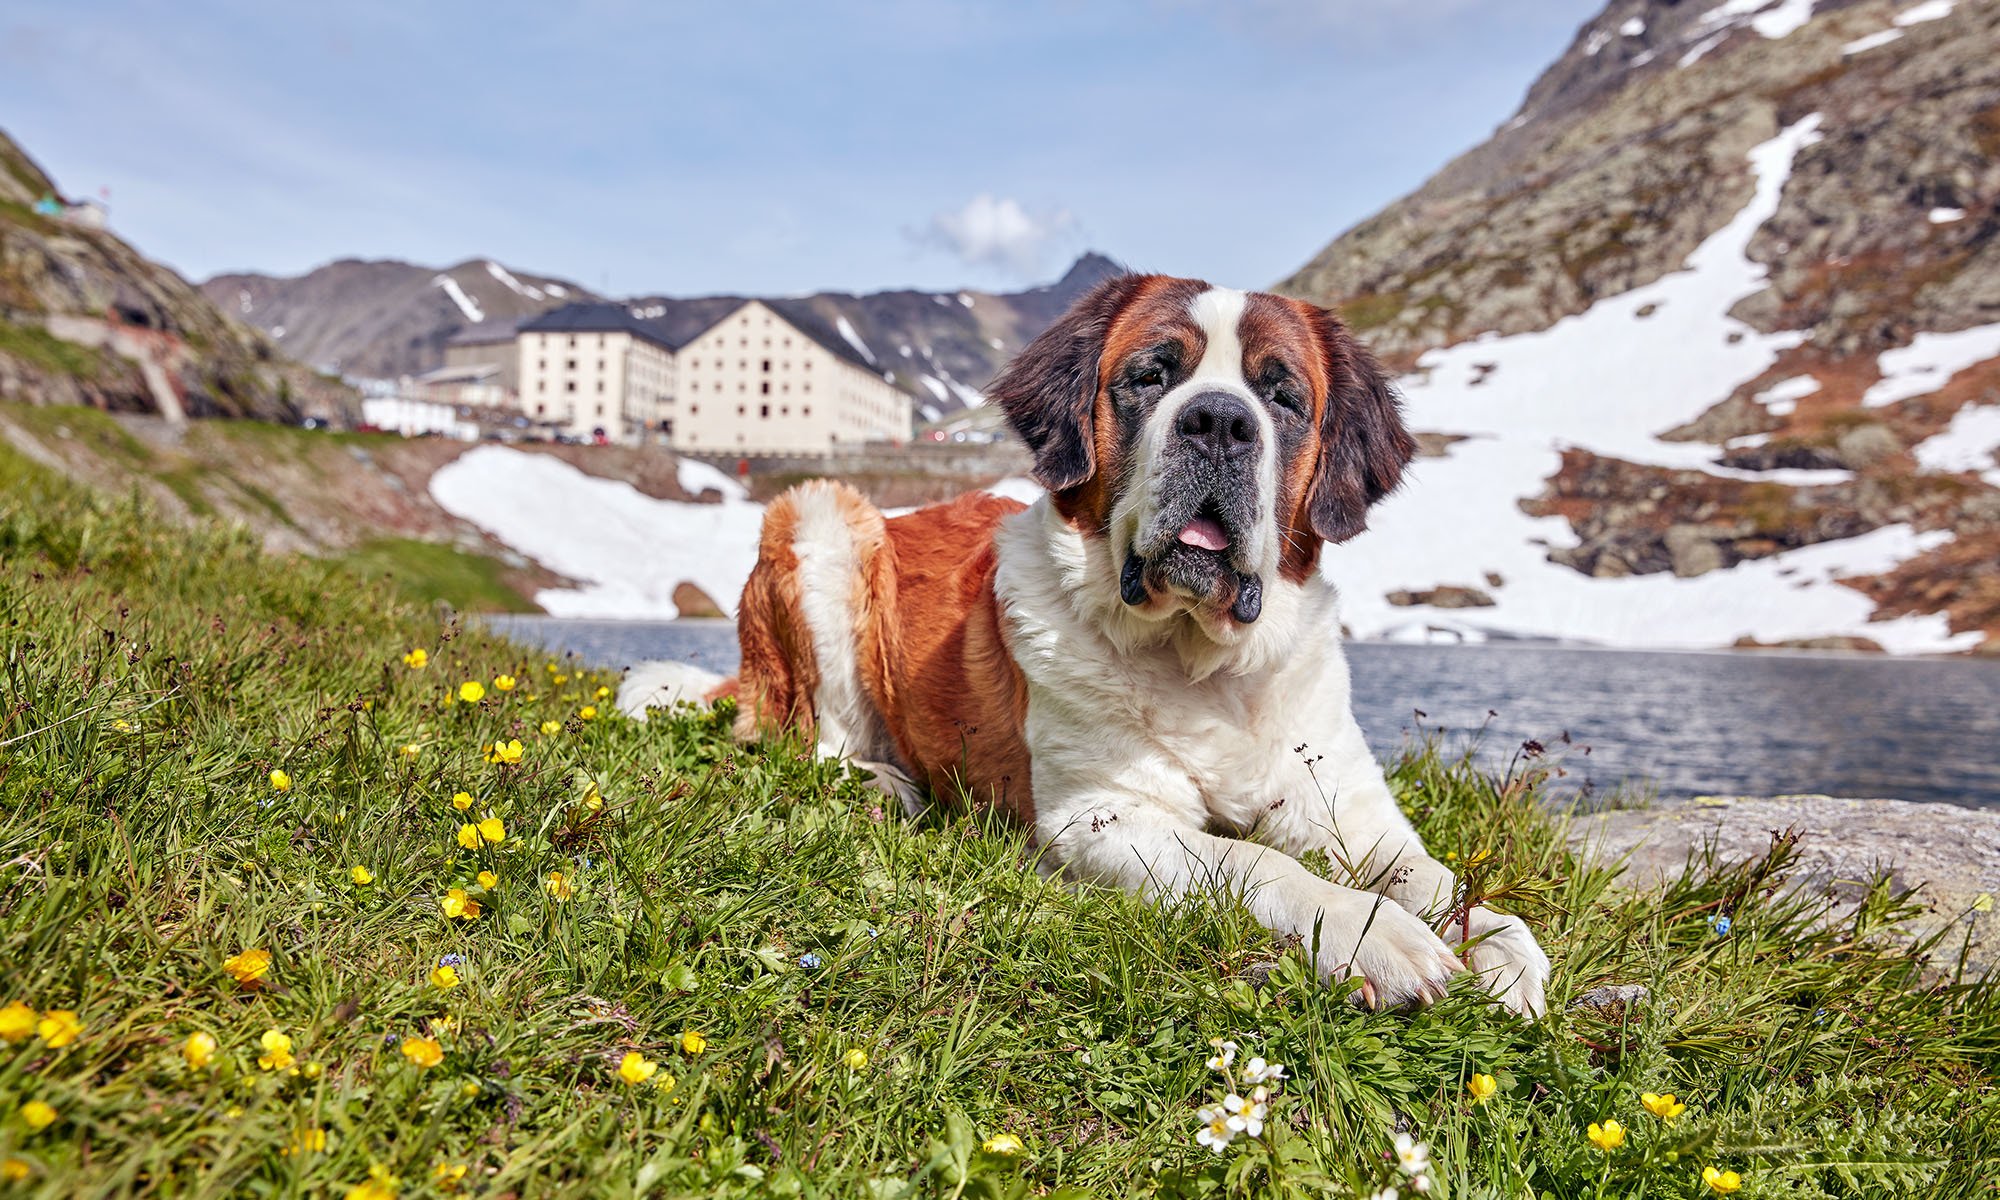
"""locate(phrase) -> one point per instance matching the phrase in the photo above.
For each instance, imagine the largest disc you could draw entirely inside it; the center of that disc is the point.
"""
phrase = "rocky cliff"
(1734, 265)
(86, 319)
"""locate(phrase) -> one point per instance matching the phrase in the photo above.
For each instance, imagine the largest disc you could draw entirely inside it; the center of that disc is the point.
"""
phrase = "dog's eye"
(1149, 377)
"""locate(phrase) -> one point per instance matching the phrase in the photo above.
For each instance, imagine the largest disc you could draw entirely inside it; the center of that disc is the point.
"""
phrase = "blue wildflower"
(809, 961)
(1720, 925)
(452, 960)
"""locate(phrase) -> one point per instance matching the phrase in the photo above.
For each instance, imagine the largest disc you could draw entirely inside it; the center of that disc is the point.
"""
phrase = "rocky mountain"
(86, 319)
(1712, 325)
(384, 318)
(379, 319)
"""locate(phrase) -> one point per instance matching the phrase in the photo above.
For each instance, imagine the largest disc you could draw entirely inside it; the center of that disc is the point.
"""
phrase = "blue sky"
(761, 147)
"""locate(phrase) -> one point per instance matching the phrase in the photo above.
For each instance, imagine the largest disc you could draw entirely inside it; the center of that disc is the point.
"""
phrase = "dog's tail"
(666, 684)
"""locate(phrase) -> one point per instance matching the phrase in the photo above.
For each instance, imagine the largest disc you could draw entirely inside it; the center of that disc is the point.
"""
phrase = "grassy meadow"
(277, 920)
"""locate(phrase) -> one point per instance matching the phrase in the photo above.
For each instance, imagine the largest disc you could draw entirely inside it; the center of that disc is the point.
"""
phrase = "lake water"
(1755, 724)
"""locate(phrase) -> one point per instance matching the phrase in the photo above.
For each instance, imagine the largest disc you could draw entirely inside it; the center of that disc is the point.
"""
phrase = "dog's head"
(1214, 438)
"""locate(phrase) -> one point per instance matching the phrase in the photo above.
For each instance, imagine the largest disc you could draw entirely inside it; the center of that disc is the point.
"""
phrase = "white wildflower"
(1387, 1193)
(1413, 1156)
(1224, 1056)
(1215, 1132)
(1420, 1183)
(1259, 1071)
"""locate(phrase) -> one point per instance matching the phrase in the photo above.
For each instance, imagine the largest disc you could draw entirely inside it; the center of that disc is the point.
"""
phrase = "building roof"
(675, 323)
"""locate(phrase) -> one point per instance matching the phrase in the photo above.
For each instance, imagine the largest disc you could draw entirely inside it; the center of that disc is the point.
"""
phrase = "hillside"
(86, 319)
(1718, 313)
(380, 319)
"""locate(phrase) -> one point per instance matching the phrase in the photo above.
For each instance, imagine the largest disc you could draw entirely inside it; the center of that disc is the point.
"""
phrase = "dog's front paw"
(1400, 961)
(1507, 958)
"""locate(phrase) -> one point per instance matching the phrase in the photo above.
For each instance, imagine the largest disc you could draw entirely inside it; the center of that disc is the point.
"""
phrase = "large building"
(728, 378)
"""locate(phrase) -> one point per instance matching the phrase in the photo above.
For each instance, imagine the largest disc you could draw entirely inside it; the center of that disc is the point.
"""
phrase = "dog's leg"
(1359, 824)
(1138, 845)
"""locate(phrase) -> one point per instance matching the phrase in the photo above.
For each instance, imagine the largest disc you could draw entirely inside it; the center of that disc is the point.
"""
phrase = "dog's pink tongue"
(1204, 533)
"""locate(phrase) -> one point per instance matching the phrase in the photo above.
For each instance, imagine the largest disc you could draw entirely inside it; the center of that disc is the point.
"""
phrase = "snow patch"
(514, 285)
(969, 397)
(1702, 47)
(696, 477)
(1873, 40)
(854, 339)
(626, 549)
(1783, 20)
(931, 412)
(1945, 216)
(278, 331)
(1598, 41)
(1782, 398)
(1633, 27)
(555, 289)
(466, 304)
(965, 299)
(1929, 361)
(935, 385)
(1930, 10)
(1967, 444)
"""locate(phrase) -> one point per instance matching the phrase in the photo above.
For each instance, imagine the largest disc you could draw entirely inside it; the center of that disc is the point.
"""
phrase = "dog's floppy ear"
(1049, 390)
(1363, 443)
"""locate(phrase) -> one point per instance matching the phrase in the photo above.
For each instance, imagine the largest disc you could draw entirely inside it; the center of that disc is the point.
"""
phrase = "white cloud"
(998, 232)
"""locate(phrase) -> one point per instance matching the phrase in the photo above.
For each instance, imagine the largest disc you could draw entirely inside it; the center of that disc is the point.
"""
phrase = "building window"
(541, 385)
(693, 409)
(541, 364)
(570, 386)
(785, 410)
(765, 387)
(570, 365)
(572, 344)
(767, 366)
(807, 411)
(600, 364)
(764, 411)
(540, 409)
(740, 410)
(600, 410)
(600, 387)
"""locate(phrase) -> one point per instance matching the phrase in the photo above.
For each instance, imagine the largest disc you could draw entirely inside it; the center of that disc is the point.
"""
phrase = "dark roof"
(682, 321)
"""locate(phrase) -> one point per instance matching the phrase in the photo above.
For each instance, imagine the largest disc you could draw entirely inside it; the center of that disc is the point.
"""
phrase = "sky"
(751, 146)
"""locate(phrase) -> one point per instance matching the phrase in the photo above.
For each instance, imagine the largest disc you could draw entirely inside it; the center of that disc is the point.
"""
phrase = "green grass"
(40, 348)
(427, 571)
(155, 675)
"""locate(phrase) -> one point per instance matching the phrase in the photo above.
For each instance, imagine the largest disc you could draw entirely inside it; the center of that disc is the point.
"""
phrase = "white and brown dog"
(1144, 666)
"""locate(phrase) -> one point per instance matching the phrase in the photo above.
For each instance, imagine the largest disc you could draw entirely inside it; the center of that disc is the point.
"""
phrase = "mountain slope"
(1718, 312)
(386, 318)
(86, 319)
(393, 318)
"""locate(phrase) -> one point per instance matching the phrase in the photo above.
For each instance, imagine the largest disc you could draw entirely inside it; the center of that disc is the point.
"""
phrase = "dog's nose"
(1221, 424)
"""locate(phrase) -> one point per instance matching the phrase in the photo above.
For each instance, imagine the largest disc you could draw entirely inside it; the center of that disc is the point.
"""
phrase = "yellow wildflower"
(504, 753)
(1664, 1107)
(1721, 1181)
(593, 799)
(58, 1027)
(551, 728)
(306, 1141)
(410, 751)
(361, 876)
(559, 887)
(636, 1067)
(416, 659)
(248, 967)
(588, 712)
(461, 800)
(17, 1021)
(471, 692)
(423, 1051)
(488, 880)
(1482, 1088)
(457, 904)
(1983, 902)
(447, 1175)
(855, 1059)
(314, 1070)
(199, 1050)
(1002, 1143)
(280, 781)
(38, 1115)
(493, 829)
(13, 1170)
(1606, 1137)
(693, 1042)
(503, 683)
(380, 1185)
(468, 836)
(444, 978)
(277, 1054)
(559, 679)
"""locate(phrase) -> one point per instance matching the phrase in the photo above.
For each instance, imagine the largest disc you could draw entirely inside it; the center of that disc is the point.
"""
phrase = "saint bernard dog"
(1144, 666)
